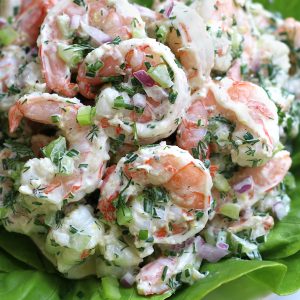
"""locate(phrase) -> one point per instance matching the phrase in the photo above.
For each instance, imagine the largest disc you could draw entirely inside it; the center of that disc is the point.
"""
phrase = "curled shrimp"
(166, 190)
(161, 275)
(241, 120)
(187, 37)
(41, 178)
(100, 21)
(255, 191)
(142, 109)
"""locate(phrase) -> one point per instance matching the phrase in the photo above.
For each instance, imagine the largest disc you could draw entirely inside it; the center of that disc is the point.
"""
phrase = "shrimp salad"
(138, 143)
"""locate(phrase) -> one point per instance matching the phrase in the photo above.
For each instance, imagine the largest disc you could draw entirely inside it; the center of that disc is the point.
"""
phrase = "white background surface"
(291, 297)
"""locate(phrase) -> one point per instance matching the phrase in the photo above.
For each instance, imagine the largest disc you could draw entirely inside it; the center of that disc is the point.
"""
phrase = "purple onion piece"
(210, 253)
(127, 280)
(96, 34)
(244, 186)
(222, 245)
(169, 9)
(144, 78)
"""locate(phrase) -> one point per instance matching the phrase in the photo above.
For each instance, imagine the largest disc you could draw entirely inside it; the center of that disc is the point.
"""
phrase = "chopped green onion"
(55, 119)
(162, 33)
(7, 36)
(143, 235)
(85, 115)
(164, 273)
(173, 96)
(124, 215)
(93, 68)
(160, 74)
(110, 287)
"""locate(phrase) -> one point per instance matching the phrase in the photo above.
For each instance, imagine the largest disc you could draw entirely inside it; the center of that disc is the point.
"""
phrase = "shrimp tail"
(15, 117)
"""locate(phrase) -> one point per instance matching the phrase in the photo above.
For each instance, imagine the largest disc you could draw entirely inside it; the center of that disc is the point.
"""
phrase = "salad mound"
(148, 149)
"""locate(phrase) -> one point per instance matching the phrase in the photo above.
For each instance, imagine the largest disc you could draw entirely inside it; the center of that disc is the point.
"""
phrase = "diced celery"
(7, 36)
(70, 56)
(55, 149)
(86, 115)
(124, 215)
(110, 287)
(230, 210)
(79, 241)
(160, 74)
(143, 235)
(221, 183)
(66, 165)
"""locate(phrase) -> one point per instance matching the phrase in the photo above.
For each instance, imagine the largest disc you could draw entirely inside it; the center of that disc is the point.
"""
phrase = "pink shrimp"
(153, 107)
(90, 161)
(100, 20)
(182, 182)
(245, 105)
(30, 18)
(268, 176)
(150, 277)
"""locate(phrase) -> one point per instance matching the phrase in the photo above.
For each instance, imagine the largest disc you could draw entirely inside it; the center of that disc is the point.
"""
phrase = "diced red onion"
(157, 93)
(209, 252)
(75, 22)
(184, 245)
(169, 9)
(146, 12)
(2, 22)
(279, 210)
(127, 280)
(144, 78)
(244, 186)
(222, 245)
(96, 34)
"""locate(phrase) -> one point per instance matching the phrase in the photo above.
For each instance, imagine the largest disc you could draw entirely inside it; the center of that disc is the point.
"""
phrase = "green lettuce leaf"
(269, 274)
(29, 285)
(290, 8)
(284, 239)
(24, 250)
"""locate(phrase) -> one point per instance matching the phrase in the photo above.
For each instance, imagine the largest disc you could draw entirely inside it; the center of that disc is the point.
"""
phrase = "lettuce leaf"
(290, 8)
(284, 239)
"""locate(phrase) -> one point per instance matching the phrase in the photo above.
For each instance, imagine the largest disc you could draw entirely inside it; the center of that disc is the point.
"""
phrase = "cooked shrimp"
(188, 39)
(166, 191)
(159, 276)
(30, 18)
(146, 107)
(102, 21)
(266, 177)
(241, 120)
(42, 179)
(19, 73)
(253, 189)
